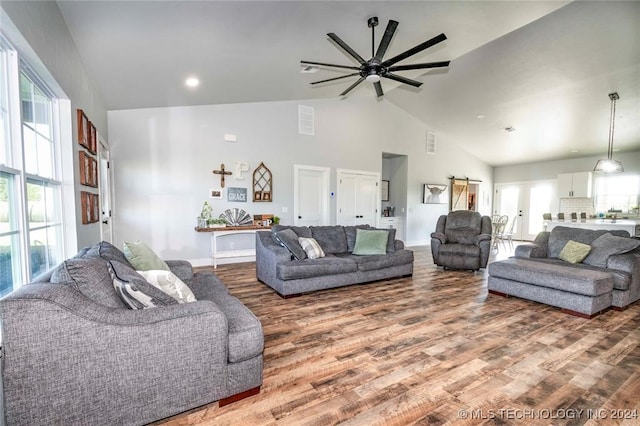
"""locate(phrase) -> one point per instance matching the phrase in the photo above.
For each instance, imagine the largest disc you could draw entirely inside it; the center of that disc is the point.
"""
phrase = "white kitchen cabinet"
(393, 222)
(574, 185)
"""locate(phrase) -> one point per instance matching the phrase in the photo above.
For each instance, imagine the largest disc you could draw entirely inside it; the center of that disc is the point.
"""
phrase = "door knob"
(299, 217)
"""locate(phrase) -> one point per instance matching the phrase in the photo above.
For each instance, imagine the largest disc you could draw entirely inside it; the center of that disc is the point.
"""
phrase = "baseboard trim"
(237, 397)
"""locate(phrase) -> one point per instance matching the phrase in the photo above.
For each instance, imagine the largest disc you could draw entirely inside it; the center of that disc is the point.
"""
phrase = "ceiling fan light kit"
(609, 165)
(374, 69)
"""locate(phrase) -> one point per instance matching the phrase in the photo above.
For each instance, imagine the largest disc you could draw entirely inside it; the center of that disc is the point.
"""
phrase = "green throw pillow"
(574, 252)
(142, 258)
(370, 242)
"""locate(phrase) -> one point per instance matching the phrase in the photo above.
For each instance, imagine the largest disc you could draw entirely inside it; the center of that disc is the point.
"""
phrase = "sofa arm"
(439, 236)
(181, 268)
(482, 237)
(398, 245)
(63, 353)
(530, 251)
(627, 262)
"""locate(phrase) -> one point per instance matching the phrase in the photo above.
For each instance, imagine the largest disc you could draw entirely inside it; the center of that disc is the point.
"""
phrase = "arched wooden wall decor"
(262, 184)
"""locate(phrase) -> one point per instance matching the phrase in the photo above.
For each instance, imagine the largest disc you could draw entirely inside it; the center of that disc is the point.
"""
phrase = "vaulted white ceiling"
(544, 68)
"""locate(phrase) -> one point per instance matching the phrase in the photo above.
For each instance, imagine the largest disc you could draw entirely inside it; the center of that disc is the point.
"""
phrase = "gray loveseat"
(73, 353)
(288, 276)
(608, 277)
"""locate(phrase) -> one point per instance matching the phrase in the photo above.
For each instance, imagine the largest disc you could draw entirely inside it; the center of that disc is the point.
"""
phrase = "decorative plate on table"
(236, 217)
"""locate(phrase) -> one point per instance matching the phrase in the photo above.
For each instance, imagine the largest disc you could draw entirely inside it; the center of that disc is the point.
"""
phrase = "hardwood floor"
(429, 350)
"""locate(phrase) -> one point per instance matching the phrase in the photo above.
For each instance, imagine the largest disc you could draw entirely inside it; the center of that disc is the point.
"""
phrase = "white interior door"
(106, 228)
(358, 197)
(525, 203)
(311, 195)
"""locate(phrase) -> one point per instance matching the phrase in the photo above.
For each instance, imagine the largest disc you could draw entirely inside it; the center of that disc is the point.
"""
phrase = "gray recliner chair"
(462, 240)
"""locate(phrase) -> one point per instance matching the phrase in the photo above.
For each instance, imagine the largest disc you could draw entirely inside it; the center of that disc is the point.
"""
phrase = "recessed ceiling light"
(192, 82)
(480, 116)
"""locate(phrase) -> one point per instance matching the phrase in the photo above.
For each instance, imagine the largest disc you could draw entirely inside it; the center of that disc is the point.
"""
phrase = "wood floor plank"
(430, 349)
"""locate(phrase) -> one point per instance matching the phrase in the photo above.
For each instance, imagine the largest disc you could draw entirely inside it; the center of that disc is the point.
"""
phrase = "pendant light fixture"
(610, 165)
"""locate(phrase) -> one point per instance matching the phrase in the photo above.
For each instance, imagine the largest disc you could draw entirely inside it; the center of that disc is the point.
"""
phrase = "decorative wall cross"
(222, 174)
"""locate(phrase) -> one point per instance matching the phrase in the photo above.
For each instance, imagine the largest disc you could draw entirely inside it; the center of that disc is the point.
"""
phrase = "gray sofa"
(73, 353)
(608, 277)
(277, 267)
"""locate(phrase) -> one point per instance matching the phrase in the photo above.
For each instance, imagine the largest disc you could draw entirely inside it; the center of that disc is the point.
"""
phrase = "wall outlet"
(232, 245)
(285, 209)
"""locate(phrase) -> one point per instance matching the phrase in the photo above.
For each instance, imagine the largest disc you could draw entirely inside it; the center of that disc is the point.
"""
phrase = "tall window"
(618, 193)
(30, 186)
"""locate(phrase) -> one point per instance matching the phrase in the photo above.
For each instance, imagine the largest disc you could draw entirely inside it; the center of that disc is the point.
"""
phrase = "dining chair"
(574, 217)
(561, 217)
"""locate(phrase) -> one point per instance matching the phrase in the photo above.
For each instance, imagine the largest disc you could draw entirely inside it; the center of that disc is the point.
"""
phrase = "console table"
(217, 233)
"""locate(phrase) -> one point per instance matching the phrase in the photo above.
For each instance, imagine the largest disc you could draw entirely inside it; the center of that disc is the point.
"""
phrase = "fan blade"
(336, 78)
(386, 39)
(347, 49)
(329, 65)
(378, 87)
(360, 80)
(419, 48)
(419, 66)
(403, 79)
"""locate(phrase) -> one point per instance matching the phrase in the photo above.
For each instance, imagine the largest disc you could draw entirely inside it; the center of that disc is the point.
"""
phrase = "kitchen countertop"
(625, 224)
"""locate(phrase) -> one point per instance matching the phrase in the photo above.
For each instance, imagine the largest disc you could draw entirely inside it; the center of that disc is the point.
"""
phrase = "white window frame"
(15, 167)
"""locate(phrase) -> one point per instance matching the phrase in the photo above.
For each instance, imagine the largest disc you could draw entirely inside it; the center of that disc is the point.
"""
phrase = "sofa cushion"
(288, 239)
(332, 239)
(170, 284)
(104, 250)
(574, 252)
(607, 245)
(374, 262)
(311, 248)
(560, 235)
(463, 227)
(621, 279)
(309, 268)
(301, 231)
(90, 276)
(350, 234)
(371, 242)
(142, 258)
(134, 290)
(566, 277)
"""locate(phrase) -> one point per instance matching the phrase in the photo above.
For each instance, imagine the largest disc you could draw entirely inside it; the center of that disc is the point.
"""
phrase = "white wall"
(163, 160)
(39, 31)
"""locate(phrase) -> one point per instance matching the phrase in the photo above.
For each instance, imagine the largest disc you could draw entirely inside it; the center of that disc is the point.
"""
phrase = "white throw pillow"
(170, 284)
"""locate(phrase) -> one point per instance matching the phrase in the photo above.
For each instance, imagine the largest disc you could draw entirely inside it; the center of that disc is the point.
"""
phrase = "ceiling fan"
(375, 68)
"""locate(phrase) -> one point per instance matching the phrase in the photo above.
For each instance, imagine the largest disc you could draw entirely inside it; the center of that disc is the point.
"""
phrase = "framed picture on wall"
(434, 193)
(83, 130)
(384, 191)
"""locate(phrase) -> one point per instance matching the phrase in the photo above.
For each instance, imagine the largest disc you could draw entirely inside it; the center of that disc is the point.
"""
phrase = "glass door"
(524, 203)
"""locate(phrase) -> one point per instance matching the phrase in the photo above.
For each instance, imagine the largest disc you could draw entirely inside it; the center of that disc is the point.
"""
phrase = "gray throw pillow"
(134, 290)
(332, 239)
(90, 276)
(607, 245)
(289, 239)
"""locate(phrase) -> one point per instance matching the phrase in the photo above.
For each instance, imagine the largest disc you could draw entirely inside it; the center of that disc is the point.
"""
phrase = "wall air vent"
(431, 143)
(306, 125)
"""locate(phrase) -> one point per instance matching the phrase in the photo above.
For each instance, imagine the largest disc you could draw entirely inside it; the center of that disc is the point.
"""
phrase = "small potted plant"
(216, 223)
